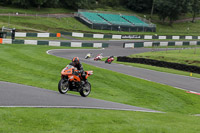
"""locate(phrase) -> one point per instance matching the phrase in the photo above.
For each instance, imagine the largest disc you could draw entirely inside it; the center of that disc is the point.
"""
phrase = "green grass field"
(29, 68)
(35, 10)
(182, 56)
(32, 120)
(71, 24)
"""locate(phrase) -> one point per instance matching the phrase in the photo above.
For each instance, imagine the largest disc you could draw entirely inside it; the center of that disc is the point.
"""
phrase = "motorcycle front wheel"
(85, 91)
(63, 86)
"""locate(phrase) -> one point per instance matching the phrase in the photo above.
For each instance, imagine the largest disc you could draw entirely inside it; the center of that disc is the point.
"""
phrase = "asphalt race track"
(17, 95)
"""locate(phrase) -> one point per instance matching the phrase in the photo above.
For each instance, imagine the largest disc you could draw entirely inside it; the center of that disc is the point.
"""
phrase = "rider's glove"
(80, 71)
(75, 72)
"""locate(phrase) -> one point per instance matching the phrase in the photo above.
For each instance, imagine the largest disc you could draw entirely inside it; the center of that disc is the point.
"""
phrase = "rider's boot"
(84, 82)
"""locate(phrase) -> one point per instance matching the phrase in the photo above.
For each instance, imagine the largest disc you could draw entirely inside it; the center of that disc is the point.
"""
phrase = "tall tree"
(152, 9)
(162, 7)
(21, 3)
(79, 4)
(171, 9)
(139, 5)
(39, 3)
(195, 8)
(53, 3)
(111, 3)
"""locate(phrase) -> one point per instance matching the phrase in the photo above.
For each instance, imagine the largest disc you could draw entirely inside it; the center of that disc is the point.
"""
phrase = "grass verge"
(34, 10)
(71, 24)
(32, 120)
(182, 56)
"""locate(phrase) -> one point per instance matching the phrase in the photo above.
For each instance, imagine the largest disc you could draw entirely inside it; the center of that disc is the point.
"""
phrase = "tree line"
(170, 9)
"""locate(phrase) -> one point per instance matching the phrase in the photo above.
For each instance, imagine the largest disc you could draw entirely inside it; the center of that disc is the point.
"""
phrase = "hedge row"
(177, 66)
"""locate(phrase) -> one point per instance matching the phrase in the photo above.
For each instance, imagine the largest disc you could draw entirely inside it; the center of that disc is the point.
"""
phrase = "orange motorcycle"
(72, 81)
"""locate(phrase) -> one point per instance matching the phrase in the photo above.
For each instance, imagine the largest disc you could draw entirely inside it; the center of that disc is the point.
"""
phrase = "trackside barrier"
(3, 34)
(23, 34)
(177, 66)
(152, 44)
(81, 35)
(149, 37)
(54, 43)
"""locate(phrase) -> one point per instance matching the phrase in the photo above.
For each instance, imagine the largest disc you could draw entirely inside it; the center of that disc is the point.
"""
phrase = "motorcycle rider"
(100, 56)
(88, 55)
(76, 63)
(111, 57)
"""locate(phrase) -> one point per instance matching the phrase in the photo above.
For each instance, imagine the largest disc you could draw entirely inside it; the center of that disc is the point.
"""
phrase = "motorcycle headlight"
(71, 77)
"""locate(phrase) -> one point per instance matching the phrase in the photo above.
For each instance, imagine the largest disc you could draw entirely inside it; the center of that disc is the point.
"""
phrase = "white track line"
(81, 107)
(72, 49)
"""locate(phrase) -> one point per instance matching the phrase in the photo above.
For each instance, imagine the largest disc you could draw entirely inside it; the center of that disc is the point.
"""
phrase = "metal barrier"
(3, 34)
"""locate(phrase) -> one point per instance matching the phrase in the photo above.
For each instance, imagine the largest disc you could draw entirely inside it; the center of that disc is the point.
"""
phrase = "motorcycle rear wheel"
(85, 91)
(63, 86)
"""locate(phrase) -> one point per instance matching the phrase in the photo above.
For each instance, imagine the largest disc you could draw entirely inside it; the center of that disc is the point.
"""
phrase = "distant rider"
(111, 57)
(100, 56)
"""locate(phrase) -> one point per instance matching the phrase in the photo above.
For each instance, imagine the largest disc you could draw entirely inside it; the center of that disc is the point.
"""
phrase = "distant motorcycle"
(89, 55)
(110, 60)
(98, 57)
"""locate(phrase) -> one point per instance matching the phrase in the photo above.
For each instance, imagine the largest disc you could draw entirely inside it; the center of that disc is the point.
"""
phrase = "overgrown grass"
(32, 66)
(46, 24)
(178, 28)
(182, 56)
(32, 120)
(71, 24)
(35, 10)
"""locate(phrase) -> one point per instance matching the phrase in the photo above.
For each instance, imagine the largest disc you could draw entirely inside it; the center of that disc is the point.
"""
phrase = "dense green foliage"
(139, 5)
(170, 9)
(195, 8)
